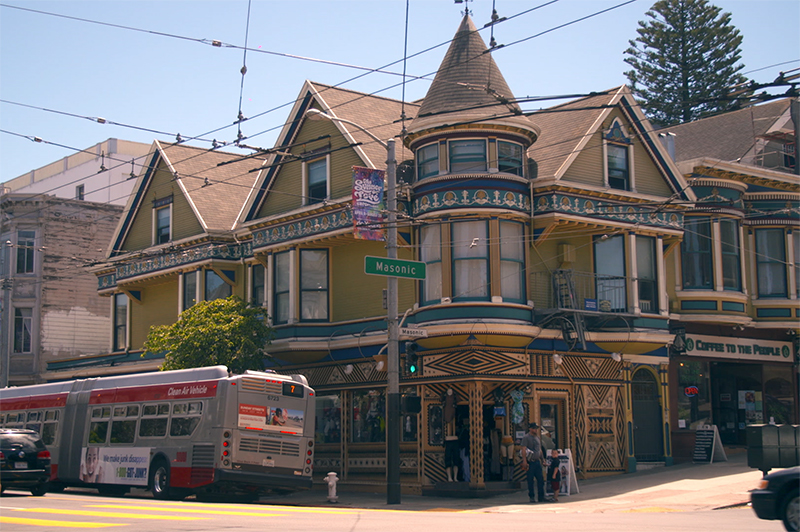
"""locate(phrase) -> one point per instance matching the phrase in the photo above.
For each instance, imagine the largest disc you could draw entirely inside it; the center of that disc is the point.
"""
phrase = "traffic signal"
(412, 359)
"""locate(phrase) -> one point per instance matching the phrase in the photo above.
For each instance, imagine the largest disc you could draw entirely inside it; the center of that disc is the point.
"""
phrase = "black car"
(24, 461)
(777, 498)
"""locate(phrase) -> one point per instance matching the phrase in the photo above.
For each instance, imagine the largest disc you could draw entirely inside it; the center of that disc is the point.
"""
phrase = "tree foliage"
(685, 61)
(218, 332)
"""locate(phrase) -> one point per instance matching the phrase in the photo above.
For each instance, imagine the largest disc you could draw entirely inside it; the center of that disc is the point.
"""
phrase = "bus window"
(133, 411)
(185, 418)
(98, 430)
(51, 415)
(2, 419)
(123, 431)
(34, 426)
(33, 416)
(49, 433)
(153, 427)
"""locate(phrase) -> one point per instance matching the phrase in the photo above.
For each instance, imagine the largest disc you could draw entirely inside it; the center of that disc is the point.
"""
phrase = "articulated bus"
(180, 432)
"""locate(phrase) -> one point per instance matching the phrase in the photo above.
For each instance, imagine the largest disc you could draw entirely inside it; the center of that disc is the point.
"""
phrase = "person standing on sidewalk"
(554, 473)
(531, 454)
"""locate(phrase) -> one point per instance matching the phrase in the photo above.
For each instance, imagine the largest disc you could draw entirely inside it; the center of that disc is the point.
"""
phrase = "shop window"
(328, 419)
(696, 260)
(771, 262)
(428, 161)
(694, 396)
(314, 284)
(467, 156)
(470, 260)
(408, 422)
(731, 263)
(369, 416)
(430, 251)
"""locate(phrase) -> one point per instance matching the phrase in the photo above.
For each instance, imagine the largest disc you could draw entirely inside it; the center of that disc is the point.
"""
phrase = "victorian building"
(549, 240)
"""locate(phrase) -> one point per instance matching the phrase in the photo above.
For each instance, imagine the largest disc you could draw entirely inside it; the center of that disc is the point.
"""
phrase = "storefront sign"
(739, 348)
(691, 391)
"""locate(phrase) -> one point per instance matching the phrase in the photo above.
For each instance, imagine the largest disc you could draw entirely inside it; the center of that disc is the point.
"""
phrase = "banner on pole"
(368, 203)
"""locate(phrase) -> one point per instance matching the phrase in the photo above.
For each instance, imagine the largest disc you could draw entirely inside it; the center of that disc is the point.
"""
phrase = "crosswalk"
(87, 513)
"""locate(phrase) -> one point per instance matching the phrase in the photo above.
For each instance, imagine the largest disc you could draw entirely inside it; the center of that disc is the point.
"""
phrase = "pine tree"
(685, 61)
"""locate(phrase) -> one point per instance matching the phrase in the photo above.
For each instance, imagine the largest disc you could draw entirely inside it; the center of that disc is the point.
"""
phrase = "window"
(509, 157)
(647, 273)
(369, 416)
(617, 166)
(771, 262)
(470, 260)
(258, 285)
(216, 287)
(281, 289)
(512, 261)
(428, 161)
(26, 240)
(120, 322)
(154, 421)
(189, 289)
(317, 181)
(694, 394)
(610, 284)
(185, 418)
(50, 429)
(696, 254)
(98, 428)
(796, 239)
(430, 251)
(23, 330)
(163, 219)
(729, 238)
(467, 156)
(328, 419)
(314, 284)
(79, 194)
(123, 425)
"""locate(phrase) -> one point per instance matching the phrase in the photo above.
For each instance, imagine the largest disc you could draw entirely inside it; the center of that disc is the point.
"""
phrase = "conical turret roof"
(469, 87)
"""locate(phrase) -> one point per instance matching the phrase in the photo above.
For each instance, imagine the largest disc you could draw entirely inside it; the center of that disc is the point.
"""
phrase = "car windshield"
(26, 440)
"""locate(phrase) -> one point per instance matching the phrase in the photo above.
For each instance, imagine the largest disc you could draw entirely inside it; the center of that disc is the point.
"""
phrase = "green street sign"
(409, 269)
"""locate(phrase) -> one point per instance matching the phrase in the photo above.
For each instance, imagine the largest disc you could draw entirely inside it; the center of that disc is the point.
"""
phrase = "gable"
(314, 140)
(162, 186)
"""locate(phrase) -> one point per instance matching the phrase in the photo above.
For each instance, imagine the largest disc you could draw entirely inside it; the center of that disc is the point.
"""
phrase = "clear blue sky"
(163, 79)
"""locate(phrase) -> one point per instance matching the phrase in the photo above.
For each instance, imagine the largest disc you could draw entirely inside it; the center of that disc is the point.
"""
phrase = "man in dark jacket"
(531, 454)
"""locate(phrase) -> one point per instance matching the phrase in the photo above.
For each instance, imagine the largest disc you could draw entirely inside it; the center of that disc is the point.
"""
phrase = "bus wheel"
(159, 480)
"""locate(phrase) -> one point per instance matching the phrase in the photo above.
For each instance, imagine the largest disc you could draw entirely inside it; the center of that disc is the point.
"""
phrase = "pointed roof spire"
(469, 87)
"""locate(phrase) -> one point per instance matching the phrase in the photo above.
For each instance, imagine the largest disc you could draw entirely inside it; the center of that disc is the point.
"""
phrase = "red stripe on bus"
(193, 390)
(37, 401)
(190, 477)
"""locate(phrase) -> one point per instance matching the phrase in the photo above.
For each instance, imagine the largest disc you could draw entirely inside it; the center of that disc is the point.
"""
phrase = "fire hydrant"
(331, 480)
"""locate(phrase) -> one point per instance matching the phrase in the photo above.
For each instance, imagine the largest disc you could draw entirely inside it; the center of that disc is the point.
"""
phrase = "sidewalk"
(683, 487)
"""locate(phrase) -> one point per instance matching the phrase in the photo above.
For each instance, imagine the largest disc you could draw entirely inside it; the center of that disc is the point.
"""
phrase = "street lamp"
(393, 396)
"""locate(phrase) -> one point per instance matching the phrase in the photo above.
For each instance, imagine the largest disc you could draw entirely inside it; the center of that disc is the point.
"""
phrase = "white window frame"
(305, 183)
(114, 347)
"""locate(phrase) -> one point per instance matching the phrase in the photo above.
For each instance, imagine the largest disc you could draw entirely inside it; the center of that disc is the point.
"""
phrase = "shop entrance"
(738, 400)
(647, 421)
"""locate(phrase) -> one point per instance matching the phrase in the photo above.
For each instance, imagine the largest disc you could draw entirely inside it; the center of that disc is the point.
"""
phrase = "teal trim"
(603, 210)
(103, 360)
(651, 323)
(473, 311)
(774, 313)
(303, 228)
(698, 305)
(328, 330)
(731, 306)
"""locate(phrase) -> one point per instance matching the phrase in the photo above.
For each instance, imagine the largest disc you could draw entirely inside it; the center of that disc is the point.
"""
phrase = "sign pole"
(393, 399)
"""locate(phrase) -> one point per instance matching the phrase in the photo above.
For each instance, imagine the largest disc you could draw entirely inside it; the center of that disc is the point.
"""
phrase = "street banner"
(368, 203)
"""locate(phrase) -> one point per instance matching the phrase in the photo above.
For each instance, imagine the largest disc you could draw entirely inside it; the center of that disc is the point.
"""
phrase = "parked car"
(24, 461)
(777, 498)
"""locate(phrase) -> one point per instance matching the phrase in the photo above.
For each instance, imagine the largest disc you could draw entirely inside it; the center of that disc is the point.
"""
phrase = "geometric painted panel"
(475, 361)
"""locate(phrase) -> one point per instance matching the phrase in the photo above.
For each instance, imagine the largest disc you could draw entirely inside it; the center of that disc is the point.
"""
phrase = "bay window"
(314, 284)
(467, 156)
(512, 261)
(281, 287)
(430, 252)
(771, 262)
(731, 260)
(470, 260)
(696, 260)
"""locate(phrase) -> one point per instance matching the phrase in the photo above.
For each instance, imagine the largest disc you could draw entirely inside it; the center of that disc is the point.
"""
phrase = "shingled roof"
(215, 183)
(729, 136)
(469, 87)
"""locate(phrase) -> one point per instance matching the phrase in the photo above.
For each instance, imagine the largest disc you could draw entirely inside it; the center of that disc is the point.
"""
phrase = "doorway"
(647, 419)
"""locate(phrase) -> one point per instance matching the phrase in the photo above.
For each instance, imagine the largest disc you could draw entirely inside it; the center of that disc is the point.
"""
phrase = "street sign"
(409, 269)
(412, 332)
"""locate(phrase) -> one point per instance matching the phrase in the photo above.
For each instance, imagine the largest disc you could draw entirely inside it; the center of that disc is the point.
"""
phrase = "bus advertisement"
(201, 431)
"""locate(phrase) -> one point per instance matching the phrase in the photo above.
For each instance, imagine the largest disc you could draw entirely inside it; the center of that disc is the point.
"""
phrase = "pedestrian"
(531, 454)
(554, 473)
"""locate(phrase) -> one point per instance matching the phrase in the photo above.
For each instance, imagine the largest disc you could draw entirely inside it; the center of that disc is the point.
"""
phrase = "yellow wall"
(159, 306)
